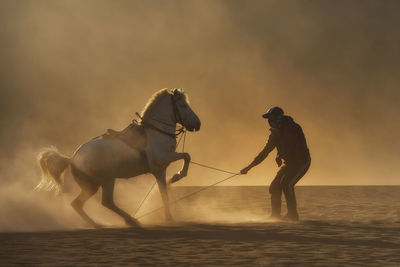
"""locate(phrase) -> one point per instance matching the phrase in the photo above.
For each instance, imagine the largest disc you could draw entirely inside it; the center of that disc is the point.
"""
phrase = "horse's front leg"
(183, 172)
(162, 186)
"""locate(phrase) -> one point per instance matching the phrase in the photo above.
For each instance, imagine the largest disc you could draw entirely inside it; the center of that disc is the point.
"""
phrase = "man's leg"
(275, 189)
(293, 175)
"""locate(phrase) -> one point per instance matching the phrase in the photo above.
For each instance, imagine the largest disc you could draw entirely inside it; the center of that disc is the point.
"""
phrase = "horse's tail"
(53, 164)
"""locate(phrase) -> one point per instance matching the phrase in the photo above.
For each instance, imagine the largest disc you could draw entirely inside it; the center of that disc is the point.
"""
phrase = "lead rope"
(212, 168)
(144, 199)
(189, 195)
(193, 193)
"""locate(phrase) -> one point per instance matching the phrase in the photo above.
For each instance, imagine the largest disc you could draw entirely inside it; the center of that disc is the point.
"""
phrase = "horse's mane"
(156, 98)
(153, 102)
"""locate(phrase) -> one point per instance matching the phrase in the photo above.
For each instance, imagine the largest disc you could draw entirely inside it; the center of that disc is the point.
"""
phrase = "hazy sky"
(71, 69)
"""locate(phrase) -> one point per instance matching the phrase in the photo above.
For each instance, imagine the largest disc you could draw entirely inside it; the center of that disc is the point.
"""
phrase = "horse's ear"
(175, 91)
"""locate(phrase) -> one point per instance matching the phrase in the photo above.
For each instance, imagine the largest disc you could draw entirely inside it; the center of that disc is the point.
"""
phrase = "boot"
(275, 206)
(292, 214)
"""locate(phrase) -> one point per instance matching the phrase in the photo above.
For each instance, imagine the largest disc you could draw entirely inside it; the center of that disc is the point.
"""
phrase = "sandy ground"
(340, 226)
(276, 244)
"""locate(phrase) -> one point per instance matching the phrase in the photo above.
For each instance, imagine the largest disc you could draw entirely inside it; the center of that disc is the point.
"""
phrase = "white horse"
(144, 147)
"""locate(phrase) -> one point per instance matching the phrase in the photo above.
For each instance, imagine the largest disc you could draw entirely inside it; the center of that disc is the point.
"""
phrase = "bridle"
(177, 117)
(177, 113)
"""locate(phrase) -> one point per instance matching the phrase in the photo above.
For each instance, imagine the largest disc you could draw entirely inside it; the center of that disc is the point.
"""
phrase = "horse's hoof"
(169, 219)
(93, 225)
(132, 222)
(98, 226)
(177, 177)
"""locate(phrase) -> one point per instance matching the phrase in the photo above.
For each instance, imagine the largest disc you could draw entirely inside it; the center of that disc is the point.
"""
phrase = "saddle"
(133, 135)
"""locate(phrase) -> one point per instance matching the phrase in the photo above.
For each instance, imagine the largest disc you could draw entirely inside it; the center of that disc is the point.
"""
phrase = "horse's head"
(183, 112)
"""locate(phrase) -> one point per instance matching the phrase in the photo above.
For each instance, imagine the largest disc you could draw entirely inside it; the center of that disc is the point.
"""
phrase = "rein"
(172, 135)
(177, 114)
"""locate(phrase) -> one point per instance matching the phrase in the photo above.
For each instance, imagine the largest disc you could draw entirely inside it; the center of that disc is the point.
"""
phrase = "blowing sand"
(339, 226)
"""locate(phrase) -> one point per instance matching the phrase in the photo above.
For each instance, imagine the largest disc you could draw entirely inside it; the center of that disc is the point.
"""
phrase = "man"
(287, 136)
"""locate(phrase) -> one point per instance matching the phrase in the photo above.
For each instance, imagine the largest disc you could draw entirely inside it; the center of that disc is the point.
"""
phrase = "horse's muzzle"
(195, 127)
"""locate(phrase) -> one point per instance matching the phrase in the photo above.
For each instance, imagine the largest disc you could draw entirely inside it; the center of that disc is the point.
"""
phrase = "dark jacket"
(289, 140)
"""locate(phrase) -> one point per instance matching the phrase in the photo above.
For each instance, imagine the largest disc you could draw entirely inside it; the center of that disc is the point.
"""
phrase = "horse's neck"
(159, 143)
(163, 116)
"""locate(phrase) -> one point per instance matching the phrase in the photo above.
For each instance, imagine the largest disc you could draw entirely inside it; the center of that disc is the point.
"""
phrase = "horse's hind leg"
(108, 202)
(88, 189)
(78, 202)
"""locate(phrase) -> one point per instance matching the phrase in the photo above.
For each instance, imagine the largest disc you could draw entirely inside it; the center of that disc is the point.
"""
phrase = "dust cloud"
(71, 69)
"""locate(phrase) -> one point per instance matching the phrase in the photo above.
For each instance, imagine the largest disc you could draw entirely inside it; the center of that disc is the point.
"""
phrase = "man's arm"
(262, 155)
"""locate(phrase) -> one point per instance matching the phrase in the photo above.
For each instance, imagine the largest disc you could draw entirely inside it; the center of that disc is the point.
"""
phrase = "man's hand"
(245, 170)
(278, 160)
